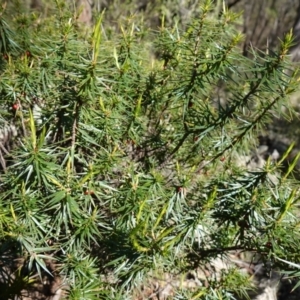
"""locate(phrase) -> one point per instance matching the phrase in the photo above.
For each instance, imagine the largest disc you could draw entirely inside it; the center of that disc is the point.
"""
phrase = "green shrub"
(127, 158)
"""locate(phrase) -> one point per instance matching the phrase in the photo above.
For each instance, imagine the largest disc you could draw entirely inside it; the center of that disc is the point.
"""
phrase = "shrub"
(121, 155)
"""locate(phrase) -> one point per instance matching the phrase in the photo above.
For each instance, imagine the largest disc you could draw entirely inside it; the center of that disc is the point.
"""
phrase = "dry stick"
(22, 119)
(4, 150)
(73, 141)
(74, 131)
(2, 159)
(2, 162)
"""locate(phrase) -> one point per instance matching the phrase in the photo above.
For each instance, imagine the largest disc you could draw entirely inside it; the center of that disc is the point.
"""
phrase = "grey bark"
(84, 7)
(295, 50)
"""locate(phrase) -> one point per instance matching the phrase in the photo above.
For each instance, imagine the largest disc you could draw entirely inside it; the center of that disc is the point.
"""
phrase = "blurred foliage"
(265, 22)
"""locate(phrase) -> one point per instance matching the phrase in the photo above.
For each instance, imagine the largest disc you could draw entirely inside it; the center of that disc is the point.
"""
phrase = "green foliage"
(126, 161)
